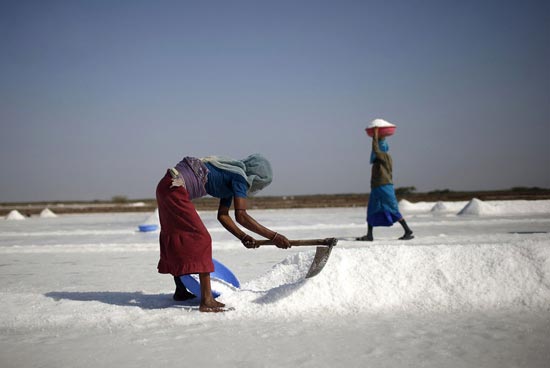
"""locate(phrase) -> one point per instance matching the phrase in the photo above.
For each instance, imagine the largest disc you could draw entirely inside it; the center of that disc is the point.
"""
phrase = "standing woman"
(383, 209)
(185, 244)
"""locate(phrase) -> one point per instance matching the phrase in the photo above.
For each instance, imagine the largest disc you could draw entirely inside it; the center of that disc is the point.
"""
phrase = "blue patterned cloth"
(195, 175)
(383, 209)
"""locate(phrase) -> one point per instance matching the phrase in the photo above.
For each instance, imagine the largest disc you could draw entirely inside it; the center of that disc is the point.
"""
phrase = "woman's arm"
(229, 225)
(250, 223)
(375, 146)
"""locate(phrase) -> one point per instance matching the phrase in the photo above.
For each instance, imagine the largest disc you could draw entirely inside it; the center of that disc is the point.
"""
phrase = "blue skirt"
(383, 209)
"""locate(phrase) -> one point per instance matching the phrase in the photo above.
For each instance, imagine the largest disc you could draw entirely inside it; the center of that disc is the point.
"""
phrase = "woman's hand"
(376, 132)
(281, 241)
(249, 241)
(248, 222)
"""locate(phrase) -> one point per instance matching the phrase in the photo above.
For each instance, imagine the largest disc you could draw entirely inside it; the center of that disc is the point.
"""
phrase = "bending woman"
(185, 244)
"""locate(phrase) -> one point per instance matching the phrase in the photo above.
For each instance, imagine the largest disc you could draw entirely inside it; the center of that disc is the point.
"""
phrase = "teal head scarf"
(256, 169)
(258, 172)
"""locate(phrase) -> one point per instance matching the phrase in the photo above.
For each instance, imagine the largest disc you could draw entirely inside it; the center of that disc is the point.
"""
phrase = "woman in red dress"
(185, 244)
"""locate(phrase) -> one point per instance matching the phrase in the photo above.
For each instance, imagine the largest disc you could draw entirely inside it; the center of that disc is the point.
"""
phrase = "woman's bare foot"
(212, 306)
(205, 309)
(208, 303)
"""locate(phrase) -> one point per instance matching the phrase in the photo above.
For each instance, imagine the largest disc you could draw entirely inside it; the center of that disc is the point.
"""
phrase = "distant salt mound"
(47, 213)
(137, 204)
(151, 223)
(15, 215)
(477, 207)
(440, 208)
(153, 219)
(405, 205)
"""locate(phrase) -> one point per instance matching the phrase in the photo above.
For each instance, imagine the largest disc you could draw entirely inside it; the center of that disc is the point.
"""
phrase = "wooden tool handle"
(303, 242)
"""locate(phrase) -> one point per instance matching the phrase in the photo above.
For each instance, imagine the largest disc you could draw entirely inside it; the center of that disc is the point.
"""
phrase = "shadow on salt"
(122, 299)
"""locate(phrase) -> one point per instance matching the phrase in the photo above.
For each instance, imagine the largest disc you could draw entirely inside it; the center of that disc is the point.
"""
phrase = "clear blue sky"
(98, 98)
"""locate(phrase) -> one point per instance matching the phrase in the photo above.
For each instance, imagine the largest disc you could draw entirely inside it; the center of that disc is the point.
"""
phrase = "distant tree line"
(402, 191)
(119, 199)
(527, 189)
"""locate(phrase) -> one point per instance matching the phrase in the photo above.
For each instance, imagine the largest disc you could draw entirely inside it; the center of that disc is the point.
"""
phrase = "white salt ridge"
(379, 279)
(413, 279)
(15, 215)
(47, 213)
(478, 208)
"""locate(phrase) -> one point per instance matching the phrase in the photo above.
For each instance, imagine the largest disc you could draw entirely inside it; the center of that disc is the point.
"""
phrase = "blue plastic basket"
(146, 228)
(221, 272)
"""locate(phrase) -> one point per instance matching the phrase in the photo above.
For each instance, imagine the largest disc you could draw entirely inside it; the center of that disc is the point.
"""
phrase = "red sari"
(185, 244)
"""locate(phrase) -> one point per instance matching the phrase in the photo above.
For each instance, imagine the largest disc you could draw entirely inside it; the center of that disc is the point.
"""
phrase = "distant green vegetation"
(119, 199)
(402, 191)
(440, 191)
(527, 189)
